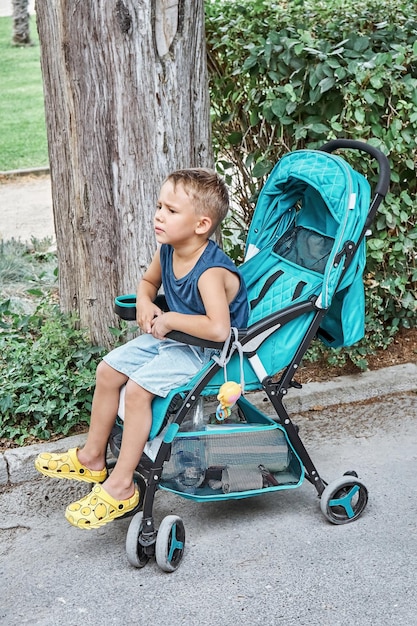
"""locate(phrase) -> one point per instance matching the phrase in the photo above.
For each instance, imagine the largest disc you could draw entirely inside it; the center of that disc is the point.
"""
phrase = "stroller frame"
(341, 501)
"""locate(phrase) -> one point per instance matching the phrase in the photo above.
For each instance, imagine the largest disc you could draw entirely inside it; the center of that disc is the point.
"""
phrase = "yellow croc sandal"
(99, 508)
(67, 465)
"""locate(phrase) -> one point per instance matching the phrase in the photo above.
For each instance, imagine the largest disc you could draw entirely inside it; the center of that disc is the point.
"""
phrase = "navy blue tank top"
(182, 295)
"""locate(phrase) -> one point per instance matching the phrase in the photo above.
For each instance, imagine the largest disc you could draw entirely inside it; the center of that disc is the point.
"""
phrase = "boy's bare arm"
(215, 287)
(146, 292)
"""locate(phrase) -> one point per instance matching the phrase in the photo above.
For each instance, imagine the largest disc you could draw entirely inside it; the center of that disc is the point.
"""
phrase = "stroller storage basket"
(232, 460)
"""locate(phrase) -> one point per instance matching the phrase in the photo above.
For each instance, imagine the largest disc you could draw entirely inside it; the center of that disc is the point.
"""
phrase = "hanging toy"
(229, 394)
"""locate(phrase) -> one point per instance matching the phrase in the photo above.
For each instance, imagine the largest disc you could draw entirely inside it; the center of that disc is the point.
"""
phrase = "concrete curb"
(34, 171)
(16, 465)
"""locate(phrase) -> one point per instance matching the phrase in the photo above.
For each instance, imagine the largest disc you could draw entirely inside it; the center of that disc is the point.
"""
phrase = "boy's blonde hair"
(207, 190)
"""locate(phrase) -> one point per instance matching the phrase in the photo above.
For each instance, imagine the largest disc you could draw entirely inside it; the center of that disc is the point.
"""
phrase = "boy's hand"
(160, 326)
(148, 287)
(146, 312)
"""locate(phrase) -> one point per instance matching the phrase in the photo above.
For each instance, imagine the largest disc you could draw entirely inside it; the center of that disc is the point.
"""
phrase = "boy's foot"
(67, 465)
(99, 508)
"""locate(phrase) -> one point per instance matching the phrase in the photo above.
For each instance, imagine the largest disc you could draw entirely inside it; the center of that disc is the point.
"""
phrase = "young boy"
(205, 296)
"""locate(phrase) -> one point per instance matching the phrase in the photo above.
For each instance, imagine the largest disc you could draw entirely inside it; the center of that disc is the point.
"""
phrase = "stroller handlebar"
(384, 167)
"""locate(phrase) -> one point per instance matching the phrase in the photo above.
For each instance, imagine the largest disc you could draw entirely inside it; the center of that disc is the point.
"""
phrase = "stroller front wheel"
(344, 500)
(134, 550)
(170, 542)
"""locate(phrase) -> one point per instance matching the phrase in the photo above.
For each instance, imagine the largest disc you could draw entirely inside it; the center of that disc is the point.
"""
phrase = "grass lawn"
(22, 118)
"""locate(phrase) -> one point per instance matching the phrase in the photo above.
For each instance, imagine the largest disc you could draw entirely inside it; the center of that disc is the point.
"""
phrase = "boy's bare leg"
(103, 415)
(137, 425)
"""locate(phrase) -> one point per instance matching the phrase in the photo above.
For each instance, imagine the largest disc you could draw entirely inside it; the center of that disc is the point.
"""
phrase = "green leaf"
(359, 115)
(35, 292)
(376, 82)
(326, 83)
(318, 128)
(262, 168)
(250, 63)
(336, 126)
(254, 118)
(360, 43)
(278, 107)
(375, 244)
(235, 138)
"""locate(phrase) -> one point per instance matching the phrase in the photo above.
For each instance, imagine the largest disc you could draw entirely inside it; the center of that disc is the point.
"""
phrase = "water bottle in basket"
(191, 465)
(190, 454)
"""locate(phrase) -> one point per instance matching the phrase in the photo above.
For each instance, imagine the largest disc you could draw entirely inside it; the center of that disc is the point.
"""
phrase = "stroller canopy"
(307, 226)
(320, 192)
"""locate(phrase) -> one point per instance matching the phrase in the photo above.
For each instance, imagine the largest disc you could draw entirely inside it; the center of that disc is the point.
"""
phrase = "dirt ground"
(402, 350)
(26, 211)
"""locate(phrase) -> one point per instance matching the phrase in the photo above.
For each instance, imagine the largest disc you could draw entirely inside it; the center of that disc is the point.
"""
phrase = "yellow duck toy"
(229, 394)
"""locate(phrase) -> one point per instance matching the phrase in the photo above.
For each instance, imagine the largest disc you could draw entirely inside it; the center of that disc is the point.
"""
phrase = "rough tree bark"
(126, 100)
(21, 21)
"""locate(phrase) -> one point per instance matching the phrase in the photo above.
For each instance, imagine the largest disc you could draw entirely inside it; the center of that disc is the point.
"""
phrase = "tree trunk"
(21, 19)
(126, 100)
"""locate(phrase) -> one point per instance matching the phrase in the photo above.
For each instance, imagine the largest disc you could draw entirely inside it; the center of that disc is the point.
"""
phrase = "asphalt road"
(269, 560)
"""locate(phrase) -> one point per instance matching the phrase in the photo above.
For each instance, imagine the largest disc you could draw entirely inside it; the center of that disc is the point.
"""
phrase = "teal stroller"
(305, 256)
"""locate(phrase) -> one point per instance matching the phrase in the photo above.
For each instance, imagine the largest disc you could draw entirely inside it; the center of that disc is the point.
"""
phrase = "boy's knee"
(136, 393)
(106, 374)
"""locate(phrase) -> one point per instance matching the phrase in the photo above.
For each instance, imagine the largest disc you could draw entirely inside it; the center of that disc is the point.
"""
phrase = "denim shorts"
(158, 365)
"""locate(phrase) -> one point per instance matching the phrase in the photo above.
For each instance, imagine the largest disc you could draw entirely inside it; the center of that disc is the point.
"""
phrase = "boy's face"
(175, 219)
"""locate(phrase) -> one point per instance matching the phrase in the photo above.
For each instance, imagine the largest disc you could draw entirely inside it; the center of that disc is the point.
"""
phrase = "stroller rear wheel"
(134, 550)
(344, 500)
(170, 542)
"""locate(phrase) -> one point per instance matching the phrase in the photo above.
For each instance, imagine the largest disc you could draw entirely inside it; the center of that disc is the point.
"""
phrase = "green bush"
(292, 75)
(48, 373)
(47, 364)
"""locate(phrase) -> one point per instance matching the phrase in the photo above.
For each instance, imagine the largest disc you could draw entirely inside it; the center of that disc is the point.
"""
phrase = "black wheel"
(170, 542)
(135, 552)
(344, 500)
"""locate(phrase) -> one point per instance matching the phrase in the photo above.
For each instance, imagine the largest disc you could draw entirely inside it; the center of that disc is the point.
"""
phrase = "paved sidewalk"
(16, 465)
(269, 560)
(26, 208)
